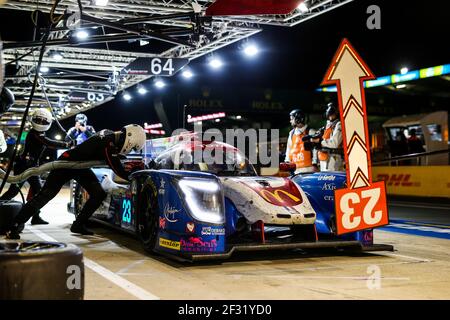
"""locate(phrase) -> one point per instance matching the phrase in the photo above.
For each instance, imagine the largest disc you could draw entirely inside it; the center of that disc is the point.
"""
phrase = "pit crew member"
(297, 150)
(105, 145)
(331, 153)
(35, 144)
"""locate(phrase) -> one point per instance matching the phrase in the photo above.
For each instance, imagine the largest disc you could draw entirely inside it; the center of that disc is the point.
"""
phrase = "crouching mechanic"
(105, 145)
(331, 153)
(297, 151)
(35, 144)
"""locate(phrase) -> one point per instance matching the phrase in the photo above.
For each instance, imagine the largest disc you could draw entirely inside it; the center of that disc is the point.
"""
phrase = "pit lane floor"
(118, 268)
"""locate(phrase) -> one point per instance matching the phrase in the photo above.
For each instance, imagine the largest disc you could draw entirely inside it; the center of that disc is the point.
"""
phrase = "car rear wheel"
(148, 217)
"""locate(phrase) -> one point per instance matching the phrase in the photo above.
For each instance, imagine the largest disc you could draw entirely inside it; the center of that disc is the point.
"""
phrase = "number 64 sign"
(363, 205)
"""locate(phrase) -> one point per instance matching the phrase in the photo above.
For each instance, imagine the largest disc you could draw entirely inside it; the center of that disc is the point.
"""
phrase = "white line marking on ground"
(129, 287)
(130, 266)
(337, 277)
(406, 257)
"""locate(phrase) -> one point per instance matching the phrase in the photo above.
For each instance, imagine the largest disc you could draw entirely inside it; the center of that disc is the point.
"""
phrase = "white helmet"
(41, 120)
(134, 138)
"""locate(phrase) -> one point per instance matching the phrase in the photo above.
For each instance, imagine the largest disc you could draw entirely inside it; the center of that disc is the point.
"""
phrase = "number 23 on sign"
(362, 208)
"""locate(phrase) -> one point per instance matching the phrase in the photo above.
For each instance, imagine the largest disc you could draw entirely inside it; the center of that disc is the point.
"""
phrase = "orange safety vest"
(297, 154)
(324, 155)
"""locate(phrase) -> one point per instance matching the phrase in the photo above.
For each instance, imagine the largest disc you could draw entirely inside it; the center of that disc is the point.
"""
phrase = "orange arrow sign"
(363, 205)
(348, 71)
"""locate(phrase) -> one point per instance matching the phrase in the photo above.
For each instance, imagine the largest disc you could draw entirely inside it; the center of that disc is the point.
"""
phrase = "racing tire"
(41, 270)
(8, 210)
(147, 219)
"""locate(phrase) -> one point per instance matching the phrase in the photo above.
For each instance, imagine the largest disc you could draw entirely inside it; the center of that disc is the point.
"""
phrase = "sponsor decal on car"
(162, 223)
(133, 187)
(162, 189)
(210, 231)
(280, 197)
(327, 178)
(170, 213)
(170, 244)
(190, 227)
(328, 187)
(197, 244)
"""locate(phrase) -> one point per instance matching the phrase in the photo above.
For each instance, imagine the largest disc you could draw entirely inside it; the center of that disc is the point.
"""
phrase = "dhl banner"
(424, 181)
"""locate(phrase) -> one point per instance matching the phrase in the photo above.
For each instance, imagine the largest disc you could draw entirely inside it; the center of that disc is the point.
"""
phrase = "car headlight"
(204, 199)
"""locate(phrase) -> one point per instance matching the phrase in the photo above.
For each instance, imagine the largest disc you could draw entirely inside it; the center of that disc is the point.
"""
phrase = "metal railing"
(419, 159)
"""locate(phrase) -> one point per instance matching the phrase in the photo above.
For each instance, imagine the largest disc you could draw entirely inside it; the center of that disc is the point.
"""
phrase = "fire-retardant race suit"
(35, 144)
(106, 145)
(331, 153)
(296, 150)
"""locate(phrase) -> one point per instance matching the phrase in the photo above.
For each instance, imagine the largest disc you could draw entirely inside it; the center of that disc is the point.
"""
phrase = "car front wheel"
(148, 217)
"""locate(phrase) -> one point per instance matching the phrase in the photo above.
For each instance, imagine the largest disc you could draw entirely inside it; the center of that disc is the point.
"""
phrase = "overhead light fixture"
(101, 3)
(217, 120)
(57, 56)
(127, 96)
(187, 74)
(238, 117)
(159, 84)
(400, 86)
(251, 50)
(303, 7)
(215, 63)
(58, 137)
(44, 69)
(82, 34)
(142, 90)
(404, 70)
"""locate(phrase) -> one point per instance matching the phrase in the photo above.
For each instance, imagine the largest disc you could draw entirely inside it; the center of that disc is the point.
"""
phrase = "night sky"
(414, 34)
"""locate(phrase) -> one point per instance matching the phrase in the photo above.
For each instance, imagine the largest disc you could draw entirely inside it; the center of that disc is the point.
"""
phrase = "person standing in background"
(297, 151)
(81, 131)
(331, 153)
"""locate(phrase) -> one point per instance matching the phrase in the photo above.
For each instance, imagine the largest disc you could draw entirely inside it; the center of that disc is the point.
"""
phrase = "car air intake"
(284, 216)
(309, 215)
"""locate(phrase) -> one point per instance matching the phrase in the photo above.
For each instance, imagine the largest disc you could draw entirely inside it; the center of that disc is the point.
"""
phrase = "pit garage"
(177, 229)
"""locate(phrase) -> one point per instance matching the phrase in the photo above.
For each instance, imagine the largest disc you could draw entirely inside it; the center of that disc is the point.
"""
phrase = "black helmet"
(81, 118)
(6, 100)
(331, 109)
(298, 115)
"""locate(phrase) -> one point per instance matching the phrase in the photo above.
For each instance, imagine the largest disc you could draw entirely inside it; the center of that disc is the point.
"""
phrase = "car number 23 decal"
(126, 210)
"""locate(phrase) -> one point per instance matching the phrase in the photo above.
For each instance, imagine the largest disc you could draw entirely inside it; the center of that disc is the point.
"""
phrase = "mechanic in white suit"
(331, 153)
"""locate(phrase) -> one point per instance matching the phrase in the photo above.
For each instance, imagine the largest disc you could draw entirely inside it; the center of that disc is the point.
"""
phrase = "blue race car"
(195, 210)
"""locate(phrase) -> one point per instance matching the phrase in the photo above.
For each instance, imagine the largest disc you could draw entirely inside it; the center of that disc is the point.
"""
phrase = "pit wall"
(423, 181)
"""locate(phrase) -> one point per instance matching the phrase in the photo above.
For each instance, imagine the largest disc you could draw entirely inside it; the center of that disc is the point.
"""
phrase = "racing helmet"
(41, 120)
(298, 115)
(133, 138)
(331, 110)
(6, 100)
(81, 118)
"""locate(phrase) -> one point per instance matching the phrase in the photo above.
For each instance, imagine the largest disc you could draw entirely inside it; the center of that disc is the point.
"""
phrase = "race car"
(201, 200)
